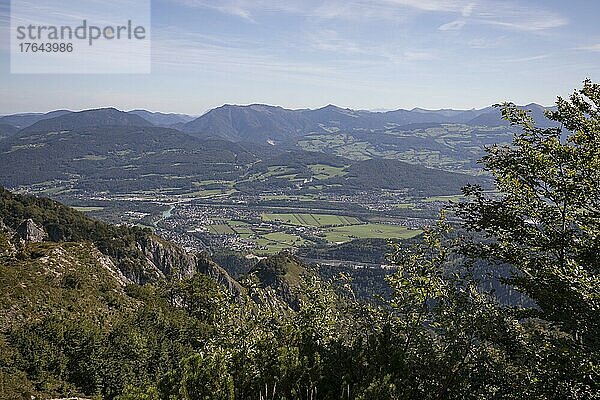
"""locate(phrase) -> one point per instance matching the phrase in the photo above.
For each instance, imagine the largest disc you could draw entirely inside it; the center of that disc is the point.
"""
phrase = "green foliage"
(66, 224)
(206, 378)
(437, 336)
(74, 331)
(545, 226)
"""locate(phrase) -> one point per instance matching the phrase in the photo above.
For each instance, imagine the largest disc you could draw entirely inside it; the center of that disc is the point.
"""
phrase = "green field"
(244, 232)
(322, 171)
(241, 228)
(56, 190)
(342, 144)
(221, 229)
(235, 222)
(450, 136)
(277, 241)
(334, 228)
(210, 193)
(455, 199)
(368, 231)
(214, 182)
(88, 209)
(278, 171)
(315, 220)
(409, 206)
(300, 197)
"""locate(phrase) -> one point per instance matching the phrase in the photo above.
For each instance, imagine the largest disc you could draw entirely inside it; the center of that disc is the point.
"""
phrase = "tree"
(446, 334)
(205, 377)
(544, 223)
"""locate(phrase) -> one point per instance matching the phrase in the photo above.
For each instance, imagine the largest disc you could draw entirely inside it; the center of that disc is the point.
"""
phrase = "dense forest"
(70, 327)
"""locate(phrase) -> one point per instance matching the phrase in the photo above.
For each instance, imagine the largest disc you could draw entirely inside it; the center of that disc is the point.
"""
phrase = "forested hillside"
(78, 320)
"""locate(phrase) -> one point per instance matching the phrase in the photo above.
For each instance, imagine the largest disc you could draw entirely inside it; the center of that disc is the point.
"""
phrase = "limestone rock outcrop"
(30, 232)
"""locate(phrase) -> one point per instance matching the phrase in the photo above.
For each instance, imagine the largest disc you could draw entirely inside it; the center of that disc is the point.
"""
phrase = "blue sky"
(377, 54)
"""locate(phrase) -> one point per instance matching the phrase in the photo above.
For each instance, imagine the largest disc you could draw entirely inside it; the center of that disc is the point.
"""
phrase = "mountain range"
(262, 123)
(259, 123)
(21, 121)
(108, 149)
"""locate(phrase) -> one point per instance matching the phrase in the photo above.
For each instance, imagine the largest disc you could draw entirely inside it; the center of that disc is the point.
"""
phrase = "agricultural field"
(300, 197)
(221, 229)
(279, 231)
(212, 182)
(453, 147)
(408, 206)
(340, 234)
(342, 144)
(322, 171)
(88, 209)
(278, 171)
(210, 193)
(276, 241)
(312, 220)
(454, 199)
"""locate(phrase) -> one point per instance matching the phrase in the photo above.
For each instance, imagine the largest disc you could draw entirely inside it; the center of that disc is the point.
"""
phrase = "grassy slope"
(41, 282)
(45, 277)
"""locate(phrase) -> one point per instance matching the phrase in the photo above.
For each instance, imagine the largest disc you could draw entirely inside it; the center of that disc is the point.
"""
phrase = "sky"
(377, 54)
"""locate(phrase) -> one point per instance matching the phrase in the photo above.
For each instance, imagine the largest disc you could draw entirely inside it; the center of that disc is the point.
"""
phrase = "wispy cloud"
(527, 23)
(342, 60)
(453, 26)
(508, 15)
(203, 53)
(468, 9)
(226, 7)
(419, 56)
(246, 9)
(487, 43)
(593, 47)
(519, 17)
(330, 41)
(433, 5)
(329, 8)
(527, 59)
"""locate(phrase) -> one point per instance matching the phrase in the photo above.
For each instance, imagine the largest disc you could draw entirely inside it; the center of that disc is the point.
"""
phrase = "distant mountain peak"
(255, 123)
(27, 119)
(333, 107)
(100, 109)
(253, 106)
(166, 120)
(108, 116)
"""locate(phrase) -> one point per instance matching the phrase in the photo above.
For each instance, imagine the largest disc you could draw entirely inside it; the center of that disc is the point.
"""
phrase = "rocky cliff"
(30, 232)
(168, 259)
(282, 274)
(130, 254)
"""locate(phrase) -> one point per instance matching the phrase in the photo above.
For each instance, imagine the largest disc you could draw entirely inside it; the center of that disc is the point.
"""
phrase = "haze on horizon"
(379, 54)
